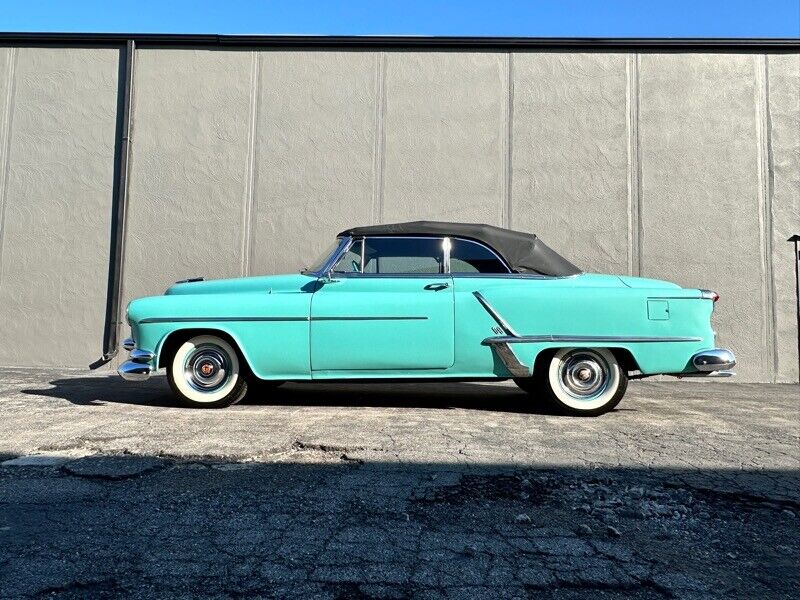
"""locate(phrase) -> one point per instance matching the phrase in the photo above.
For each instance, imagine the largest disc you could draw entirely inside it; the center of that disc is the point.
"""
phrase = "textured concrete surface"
(701, 202)
(58, 120)
(571, 156)
(688, 490)
(676, 166)
(315, 154)
(189, 167)
(445, 137)
(784, 118)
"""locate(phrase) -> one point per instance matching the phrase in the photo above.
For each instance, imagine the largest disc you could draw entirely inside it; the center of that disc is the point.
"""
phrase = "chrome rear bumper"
(139, 367)
(717, 361)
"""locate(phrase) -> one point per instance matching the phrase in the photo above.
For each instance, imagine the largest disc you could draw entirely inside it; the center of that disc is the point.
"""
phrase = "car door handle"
(435, 287)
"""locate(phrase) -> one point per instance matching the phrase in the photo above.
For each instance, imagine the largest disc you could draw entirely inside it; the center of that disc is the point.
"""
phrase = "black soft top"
(524, 252)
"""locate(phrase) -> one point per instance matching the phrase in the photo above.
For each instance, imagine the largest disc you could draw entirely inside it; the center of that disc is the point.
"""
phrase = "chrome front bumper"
(716, 362)
(139, 367)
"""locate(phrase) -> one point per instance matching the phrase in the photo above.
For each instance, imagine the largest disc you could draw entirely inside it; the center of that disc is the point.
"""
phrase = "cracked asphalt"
(107, 489)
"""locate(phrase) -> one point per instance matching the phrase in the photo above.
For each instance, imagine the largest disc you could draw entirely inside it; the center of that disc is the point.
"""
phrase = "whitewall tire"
(585, 381)
(206, 372)
(577, 381)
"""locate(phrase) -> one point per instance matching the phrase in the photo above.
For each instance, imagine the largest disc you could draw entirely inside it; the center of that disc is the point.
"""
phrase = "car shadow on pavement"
(155, 392)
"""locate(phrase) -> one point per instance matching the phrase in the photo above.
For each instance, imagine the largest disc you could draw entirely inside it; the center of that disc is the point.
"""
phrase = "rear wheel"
(206, 372)
(578, 381)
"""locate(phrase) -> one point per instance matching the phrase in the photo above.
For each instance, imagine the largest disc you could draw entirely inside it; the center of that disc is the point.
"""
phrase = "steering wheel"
(356, 267)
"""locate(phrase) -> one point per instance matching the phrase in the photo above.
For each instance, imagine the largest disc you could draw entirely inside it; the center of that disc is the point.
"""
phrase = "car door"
(388, 305)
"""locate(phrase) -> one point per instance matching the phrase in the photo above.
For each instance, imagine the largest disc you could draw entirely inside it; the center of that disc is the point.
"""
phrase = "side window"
(351, 260)
(404, 255)
(470, 257)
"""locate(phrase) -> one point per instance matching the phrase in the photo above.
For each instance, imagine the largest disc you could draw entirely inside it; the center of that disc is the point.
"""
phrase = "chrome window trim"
(343, 246)
(505, 264)
(443, 265)
(533, 276)
(348, 241)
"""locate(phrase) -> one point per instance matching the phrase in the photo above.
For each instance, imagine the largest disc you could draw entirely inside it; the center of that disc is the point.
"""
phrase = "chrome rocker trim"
(139, 367)
(590, 339)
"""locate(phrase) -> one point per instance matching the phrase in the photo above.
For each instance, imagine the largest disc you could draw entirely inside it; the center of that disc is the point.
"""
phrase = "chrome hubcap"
(207, 368)
(584, 375)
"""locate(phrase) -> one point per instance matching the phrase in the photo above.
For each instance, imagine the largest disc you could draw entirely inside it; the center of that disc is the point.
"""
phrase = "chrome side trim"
(716, 359)
(249, 319)
(217, 319)
(536, 339)
(355, 275)
(133, 371)
(503, 349)
(495, 315)
(344, 318)
(129, 344)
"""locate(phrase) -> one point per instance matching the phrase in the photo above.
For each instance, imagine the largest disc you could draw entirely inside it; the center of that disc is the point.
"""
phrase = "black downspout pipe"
(119, 208)
(795, 239)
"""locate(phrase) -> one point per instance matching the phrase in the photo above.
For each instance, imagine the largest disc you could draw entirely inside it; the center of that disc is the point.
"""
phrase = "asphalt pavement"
(464, 490)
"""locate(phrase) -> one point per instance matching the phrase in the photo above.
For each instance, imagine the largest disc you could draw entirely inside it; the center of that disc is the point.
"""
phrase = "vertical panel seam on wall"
(765, 210)
(509, 150)
(634, 166)
(379, 148)
(256, 78)
(250, 168)
(5, 146)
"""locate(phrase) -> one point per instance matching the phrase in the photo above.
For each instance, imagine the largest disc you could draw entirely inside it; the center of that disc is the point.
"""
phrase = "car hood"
(266, 284)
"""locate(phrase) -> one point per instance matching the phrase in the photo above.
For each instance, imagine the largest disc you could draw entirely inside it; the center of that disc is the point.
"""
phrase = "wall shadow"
(327, 526)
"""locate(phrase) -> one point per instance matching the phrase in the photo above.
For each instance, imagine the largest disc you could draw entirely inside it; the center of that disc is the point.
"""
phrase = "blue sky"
(547, 18)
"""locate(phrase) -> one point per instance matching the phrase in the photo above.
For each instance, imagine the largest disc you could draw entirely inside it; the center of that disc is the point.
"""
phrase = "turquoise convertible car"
(427, 301)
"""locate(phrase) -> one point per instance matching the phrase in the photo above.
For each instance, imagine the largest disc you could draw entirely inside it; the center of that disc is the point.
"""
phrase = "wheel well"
(542, 360)
(178, 337)
(626, 359)
(623, 355)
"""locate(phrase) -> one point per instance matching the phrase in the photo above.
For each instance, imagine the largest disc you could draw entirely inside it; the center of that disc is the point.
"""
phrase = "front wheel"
(206, 373)
(579, 381)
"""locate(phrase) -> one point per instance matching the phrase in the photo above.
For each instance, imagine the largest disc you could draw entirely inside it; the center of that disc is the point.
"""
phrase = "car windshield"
(323, 258)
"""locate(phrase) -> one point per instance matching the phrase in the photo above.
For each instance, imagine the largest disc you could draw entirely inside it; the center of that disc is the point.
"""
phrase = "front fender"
(270, 330)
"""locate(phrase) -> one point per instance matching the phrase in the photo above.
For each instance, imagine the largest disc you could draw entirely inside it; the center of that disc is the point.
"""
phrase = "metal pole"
(120, 204)
(796, 240)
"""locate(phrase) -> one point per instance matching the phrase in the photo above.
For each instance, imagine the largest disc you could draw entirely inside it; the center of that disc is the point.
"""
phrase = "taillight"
(709, 295)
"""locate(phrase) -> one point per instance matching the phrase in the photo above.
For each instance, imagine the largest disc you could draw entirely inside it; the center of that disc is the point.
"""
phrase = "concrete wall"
(678, 166)
(58, 115)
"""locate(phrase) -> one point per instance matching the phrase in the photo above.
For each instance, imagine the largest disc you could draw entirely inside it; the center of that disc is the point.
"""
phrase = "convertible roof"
(523, 251)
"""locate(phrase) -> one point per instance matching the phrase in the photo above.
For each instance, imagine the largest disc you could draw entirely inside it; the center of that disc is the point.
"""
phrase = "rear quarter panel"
(586, 305)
